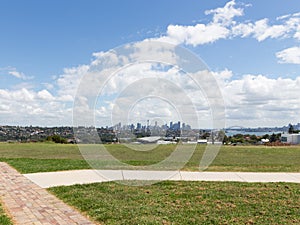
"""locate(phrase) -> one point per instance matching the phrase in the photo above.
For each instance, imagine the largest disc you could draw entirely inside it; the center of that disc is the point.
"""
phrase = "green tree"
(273, 138)
(253, 137)
(266, 136)
(291, 129)
(57, 139)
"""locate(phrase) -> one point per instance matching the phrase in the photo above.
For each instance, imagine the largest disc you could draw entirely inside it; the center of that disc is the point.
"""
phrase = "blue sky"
(252, 48)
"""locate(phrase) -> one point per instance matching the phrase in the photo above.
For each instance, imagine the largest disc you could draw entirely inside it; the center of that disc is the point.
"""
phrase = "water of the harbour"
(233, 132)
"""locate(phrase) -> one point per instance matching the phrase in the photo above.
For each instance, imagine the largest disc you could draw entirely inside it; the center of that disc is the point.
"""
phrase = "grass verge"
(186, 202)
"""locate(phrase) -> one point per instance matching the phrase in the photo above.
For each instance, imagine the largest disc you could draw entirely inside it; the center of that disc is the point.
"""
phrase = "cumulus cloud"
(224, 26)
(289, 55)
(259, 100)
(252, 99)
(199, 34)
(29, 107)
(226, 14)
(196, 35)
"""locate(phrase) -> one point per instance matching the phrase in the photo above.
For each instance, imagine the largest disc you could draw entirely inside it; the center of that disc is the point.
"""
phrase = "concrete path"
(51, 179)
(29, 204)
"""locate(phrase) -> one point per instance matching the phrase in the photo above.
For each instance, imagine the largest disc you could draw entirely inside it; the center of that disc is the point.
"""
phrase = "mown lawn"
(252, 159)
(41, 157)
(186, 202)
(4, 220)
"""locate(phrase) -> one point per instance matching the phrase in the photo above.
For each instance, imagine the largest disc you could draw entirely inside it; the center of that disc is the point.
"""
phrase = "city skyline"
(130, 126)
(251, 48)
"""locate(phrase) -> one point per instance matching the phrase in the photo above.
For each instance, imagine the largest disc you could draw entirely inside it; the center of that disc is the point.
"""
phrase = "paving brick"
(28, 204)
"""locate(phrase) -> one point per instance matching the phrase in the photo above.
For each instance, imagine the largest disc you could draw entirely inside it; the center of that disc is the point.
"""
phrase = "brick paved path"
(29, 204)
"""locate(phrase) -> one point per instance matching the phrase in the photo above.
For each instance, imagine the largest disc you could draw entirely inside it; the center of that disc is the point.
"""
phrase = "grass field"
(4, 220)
(186, 202)
(41, 157)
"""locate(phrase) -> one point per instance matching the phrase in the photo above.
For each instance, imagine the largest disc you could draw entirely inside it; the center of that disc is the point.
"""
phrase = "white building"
(290, 138)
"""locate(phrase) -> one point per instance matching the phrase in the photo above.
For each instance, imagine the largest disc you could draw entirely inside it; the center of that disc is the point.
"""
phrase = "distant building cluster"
(139, 130)
(31, 133)
(91, 134)
(146, 133)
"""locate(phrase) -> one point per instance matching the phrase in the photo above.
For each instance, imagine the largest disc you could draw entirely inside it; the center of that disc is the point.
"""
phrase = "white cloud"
(29, 107)
(4, 109)
(226, 14)
(65, 98)
(22, 95)
(253, 100)
(286, 27)
(16, 74)
(196, 35)
(283, 17)
(123, 83)
(289, 55)
(45, 95)
(200, 34)
(261, 30)
(68, 81)
(20, 75)
(256, 100)
(48, 86)
(22, 85)
(223, 75)
(224, 26)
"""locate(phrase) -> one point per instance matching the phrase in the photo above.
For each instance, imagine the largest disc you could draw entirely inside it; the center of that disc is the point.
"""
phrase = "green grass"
(4, 220)
(28, 165)
(252, 159)
(39, 151)
(186, 202)
(41, 157)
